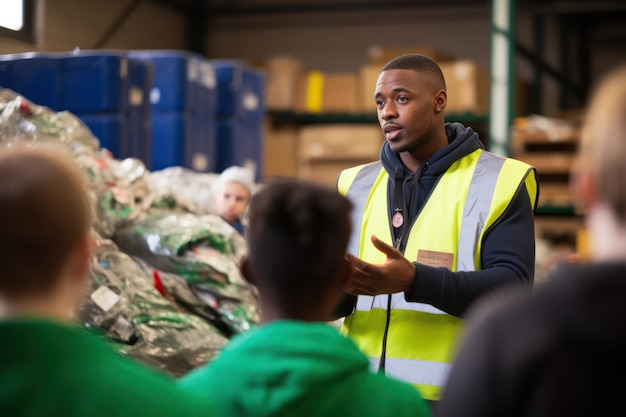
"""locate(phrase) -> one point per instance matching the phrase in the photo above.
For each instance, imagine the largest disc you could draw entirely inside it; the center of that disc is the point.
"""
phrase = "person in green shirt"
(294, 363)
(49, 366)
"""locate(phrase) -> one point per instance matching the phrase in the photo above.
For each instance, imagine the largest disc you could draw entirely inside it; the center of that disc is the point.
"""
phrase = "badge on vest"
(398, 220)
(434, 258)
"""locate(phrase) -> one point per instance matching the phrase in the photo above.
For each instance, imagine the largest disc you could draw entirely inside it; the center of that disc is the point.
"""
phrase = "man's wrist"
(408, 291)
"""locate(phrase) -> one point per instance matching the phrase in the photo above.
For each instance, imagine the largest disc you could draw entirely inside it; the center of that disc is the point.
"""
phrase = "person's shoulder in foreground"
(289, 368)
(48, 366)
(79, 374)
(559, 350)
(294, 363)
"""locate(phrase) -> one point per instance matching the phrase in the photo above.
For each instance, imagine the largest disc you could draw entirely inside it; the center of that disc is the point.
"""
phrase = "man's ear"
(441, 99)
(244, 267)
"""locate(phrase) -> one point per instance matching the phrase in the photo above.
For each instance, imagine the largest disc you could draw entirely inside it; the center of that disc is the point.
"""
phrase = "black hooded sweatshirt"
(508, 251)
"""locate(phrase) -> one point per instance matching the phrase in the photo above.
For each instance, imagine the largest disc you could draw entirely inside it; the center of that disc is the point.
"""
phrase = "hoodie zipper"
(400, 238)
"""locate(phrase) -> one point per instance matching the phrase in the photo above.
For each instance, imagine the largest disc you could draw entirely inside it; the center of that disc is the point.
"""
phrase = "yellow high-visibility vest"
(466, 201)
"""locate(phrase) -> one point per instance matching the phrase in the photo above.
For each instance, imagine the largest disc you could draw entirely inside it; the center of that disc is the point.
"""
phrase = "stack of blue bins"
(108, 91)
(240, 114)
(36, 76)
(183, 106)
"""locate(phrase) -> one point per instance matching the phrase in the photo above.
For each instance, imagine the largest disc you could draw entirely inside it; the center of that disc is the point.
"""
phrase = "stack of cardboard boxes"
(550, 145)
(320, 152)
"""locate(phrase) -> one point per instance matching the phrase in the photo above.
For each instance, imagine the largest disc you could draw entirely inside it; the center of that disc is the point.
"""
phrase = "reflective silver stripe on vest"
(414, 371)
(358, 193)
(398, 302)
(477, 204)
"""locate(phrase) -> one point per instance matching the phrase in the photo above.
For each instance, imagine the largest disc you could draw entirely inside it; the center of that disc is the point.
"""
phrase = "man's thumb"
(385, 248)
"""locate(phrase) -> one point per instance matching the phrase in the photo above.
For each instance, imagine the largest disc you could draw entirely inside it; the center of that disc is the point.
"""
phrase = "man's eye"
(403, 99)
(379, 103)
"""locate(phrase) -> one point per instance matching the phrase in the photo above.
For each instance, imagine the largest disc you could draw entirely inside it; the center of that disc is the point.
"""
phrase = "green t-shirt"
(51, 369)
(291, 368)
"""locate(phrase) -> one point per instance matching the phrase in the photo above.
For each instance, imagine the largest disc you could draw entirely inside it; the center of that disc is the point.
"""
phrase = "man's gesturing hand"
(396, 274)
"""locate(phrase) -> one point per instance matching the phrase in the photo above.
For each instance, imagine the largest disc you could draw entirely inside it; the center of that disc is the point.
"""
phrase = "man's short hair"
(44, 212)
(418, 63)
(298, 236)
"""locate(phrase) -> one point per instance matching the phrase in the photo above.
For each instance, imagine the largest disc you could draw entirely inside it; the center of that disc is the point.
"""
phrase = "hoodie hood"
(462, 140)
(418, 186)
(282, 365)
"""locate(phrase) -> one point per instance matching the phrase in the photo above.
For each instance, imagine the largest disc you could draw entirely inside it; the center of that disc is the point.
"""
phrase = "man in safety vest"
(438, 222)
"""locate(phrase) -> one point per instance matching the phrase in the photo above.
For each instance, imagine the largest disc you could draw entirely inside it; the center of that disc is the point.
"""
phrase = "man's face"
(231, 201)
(405, 103)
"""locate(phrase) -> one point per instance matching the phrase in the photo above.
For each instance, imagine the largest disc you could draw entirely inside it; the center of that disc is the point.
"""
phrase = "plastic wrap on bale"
(25, 123)
(191, 190)
(125, 306)
(205, 251)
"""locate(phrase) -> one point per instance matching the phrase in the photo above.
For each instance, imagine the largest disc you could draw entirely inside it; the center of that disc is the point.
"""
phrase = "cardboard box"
(340, 142)
(468, 87)
(327, 92)
(283, 76)
(549, 163)
(368, 75)
(555, 194)
(325, 172)
(280, 152)
(383, 54)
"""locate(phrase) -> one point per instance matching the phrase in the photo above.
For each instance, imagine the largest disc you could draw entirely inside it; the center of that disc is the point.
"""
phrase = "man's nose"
(388, 112)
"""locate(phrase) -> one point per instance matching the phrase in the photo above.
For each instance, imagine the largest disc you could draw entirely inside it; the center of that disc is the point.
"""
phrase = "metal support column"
(502, 97)
(584, 62)
(537, 89)
(196, 27)
(565, 61)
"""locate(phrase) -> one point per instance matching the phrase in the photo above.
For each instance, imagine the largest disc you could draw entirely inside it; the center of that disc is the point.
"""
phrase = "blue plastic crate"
(206, 97)
(240, 91)
(141, 79)
(238, 143)
(36, 76)
(112, 130)
(175, 78)
(255, 132)
(172, 133)
(200, 151)
(230, 88)
(200, 155)
(95, 81)
(254, 96)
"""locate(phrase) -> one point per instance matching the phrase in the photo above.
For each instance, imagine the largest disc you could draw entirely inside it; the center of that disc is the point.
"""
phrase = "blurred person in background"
(231, 195)
(560, 350)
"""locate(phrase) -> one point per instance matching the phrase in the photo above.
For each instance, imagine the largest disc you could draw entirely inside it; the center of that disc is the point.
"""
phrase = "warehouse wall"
(66, 24)
(340, 41)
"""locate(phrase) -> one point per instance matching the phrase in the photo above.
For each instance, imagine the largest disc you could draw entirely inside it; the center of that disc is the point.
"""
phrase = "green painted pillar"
(502, 96)
(538, 45)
